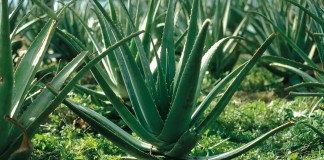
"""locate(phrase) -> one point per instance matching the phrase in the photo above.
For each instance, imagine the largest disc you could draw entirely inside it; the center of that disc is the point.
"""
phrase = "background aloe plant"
(295, 42)
(313, 79)
(164, 112)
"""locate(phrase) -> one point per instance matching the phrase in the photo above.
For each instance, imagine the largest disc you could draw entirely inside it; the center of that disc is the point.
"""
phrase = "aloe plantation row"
(152, 62)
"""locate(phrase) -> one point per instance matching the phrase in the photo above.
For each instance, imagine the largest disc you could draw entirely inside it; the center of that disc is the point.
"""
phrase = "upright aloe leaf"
(148, 27)
(6, 72)
(143, 58)
(178, 119)
(28, 67)
(192, 32)
(167, 54)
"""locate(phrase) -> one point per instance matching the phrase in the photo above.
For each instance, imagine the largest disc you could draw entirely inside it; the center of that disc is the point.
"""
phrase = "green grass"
(243, 120)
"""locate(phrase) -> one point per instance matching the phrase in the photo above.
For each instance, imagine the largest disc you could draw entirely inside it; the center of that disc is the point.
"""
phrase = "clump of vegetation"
(201, 79)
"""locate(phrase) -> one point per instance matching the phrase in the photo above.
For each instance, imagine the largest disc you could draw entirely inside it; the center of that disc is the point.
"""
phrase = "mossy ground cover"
(252, 112)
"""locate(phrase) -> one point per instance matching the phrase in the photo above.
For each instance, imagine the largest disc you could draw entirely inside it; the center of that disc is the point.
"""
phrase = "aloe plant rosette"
(164, 112)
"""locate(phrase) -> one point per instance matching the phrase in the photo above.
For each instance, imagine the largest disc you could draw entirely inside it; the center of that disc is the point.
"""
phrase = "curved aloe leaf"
(215, 49)
(179, 116)
(321, 134)
(42, 101)
(111, 131)
(308, 94)
(307, 84)
(6, 70)
(299, 72)
(217, 110)
(246, 147)
(290, 63)
(212, 94)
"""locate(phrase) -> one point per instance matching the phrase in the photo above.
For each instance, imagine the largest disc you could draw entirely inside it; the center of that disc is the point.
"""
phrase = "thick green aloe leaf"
(6, 72)
(105, 61)
(184, 145)
(112, 132)
(167, 55)
(192, 33)
(79, 47)
(178, 119)
(246, 147)
(42, 101)
(128, 83)
(215, 49)
(126, 115)
(220, 106)
(28, 67)
(149, 20)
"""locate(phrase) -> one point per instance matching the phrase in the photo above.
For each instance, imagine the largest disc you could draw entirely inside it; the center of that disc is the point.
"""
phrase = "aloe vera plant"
(295, 43)
(23, 102)
(314, 79)
(164, 112)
